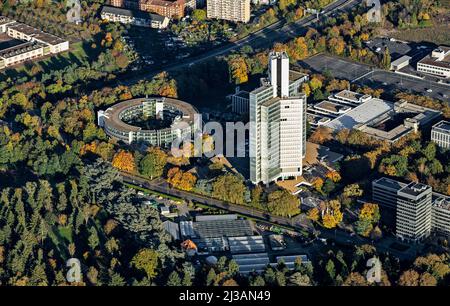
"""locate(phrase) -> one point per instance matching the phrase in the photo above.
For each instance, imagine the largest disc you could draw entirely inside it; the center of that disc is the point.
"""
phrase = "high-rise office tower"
(278, 123)
(412, 204)
(413, 212)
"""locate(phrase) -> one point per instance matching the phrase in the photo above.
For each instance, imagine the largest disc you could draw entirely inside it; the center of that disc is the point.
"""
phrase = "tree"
(299, 279)
(238, 69)
(210, 277)
(181, 180)
(124, 161)
(283, 203)
(332, 215)
(409, 278)
(355, 279)
(386, 61)
(230, 188)
(313, 214)
(152, 165)
(328, 186)
(426, 279)
(174, 279)
(352, 190)
(147, 260)
(199, 15)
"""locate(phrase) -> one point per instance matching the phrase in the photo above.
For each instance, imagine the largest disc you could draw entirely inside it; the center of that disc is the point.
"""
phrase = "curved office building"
(118, 120)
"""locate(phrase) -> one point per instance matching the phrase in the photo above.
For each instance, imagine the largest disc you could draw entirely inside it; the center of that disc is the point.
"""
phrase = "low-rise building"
(440, 134)
(400, 62)
(20, 53)
(170, 9)
(240, 102)
(437, 63)
(137, 18)
(29, 43)
(385, 120)
(53, 44)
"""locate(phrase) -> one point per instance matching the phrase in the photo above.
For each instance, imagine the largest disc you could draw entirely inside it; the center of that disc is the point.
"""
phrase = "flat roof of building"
(351, 95)
(361, 114)
(390, 183)
(293, 76)
(441, 201)
(20, 49)
(36, 33)
(296, 75)
(316, 153)
(443, 125)
(444, 63)
(223, 228)
(414, 189)
(332, 107)
(401, 60)
(132, 13)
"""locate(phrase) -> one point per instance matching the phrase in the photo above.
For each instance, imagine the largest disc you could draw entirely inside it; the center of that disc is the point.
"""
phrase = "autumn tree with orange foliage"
(238, 69)
(124, 161)
(313, 214)
(332, 214)
(369, 216)
(334, 176)
(321, 135)
(180, 179)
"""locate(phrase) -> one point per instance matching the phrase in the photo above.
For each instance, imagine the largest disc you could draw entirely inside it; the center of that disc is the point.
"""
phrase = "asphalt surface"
(376, 78)
(336, 236)
(277, 32)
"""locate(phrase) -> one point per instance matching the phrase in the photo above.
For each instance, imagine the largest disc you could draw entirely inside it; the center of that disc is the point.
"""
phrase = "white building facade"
(278, 125)
(440, 134)
(232, 10)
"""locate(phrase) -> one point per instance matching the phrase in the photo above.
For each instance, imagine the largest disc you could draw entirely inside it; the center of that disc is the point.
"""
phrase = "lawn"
(76, 54)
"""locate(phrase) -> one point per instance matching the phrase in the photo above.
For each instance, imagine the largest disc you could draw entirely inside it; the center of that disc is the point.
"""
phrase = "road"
(338, 236)
(276, 32)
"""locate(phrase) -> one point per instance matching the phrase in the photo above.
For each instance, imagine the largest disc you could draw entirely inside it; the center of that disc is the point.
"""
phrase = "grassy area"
(438, 34)
(148, 191)
(76, 54)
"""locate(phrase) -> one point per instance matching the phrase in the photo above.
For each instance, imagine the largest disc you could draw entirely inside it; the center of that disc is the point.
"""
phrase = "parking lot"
(362, 74)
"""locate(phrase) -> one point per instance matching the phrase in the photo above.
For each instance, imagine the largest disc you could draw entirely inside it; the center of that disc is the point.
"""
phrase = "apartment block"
(277, 124)
(169, 9)
(137, 18)
(231, 10)
(27, 43)
(440, 134)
